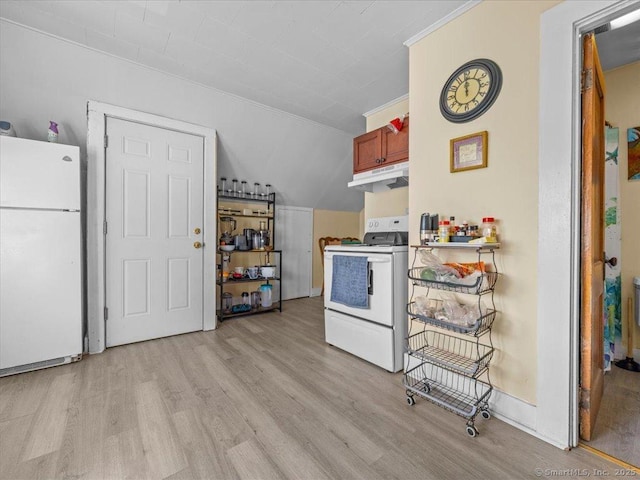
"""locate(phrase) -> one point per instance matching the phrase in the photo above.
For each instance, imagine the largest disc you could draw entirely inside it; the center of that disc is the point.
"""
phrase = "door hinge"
(106, 141)
(586, 80)
(104, 228)
(106, 313)
(584, 399)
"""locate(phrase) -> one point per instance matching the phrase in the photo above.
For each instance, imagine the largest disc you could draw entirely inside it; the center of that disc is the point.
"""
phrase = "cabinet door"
(367, 149)
(395, 147)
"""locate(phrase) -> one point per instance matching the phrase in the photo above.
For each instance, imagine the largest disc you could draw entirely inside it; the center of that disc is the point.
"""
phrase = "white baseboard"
(315, 292)
(519, 414)
(513, 411)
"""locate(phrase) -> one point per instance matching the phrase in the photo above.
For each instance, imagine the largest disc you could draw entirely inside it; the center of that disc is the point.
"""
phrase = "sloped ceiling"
(328, 61)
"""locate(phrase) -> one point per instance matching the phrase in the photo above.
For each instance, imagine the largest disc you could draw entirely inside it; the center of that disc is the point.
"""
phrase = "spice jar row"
(432, 229)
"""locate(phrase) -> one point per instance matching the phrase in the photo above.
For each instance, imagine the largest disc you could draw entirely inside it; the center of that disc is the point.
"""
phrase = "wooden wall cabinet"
(380, 148)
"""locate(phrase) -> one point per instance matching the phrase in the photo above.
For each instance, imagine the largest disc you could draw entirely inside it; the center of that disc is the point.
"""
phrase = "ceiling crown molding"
(386, 105)
(442, 22)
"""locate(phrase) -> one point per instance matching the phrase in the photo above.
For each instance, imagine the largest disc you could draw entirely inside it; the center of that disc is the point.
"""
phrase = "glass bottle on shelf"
(225, 266)
(256, 190)
(235, 187)
(452, 226)
(243, 190)
(227, 302)
(268, 187)
(255, 299)
(223, 185)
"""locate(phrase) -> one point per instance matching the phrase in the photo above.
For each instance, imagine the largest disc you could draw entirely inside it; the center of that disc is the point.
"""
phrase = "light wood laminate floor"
(262, 397)
(617, 429)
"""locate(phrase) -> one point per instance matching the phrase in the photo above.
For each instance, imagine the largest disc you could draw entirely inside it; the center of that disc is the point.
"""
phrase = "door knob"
(197, 231)
(197, 245)
(613, 261)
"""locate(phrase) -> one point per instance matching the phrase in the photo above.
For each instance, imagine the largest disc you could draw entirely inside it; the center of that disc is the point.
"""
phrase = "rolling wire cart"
(449, 365)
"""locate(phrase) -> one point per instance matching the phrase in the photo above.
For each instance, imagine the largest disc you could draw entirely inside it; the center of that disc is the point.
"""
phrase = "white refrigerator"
(40, 255)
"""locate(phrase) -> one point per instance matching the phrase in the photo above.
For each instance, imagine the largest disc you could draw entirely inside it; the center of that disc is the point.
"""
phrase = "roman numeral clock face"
(470, 90)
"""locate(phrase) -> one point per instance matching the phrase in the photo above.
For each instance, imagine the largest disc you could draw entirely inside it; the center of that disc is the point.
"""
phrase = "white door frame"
(559, 201)
(97, 113)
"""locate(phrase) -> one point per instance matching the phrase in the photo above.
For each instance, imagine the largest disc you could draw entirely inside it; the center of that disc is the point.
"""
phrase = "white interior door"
(294, 236)
(154, 215)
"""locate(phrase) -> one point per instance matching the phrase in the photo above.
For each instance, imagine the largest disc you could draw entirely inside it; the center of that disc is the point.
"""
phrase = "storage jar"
(443, 231)
(489, 227)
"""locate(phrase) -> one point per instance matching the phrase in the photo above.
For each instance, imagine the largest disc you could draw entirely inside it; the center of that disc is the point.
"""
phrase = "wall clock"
(470, 90)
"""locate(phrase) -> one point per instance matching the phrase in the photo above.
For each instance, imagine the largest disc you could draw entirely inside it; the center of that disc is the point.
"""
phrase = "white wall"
(43, 78)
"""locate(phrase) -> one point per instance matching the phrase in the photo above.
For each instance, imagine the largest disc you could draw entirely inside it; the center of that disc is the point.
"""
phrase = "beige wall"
(330, 223)
(386, 204)
(394, 202)
(623, 111)
(508, 188)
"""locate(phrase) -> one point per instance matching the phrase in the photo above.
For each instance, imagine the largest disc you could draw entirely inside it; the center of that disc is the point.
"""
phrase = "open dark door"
(592, 267)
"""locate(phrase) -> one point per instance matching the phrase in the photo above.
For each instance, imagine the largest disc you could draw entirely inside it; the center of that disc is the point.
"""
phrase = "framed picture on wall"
(468, 152)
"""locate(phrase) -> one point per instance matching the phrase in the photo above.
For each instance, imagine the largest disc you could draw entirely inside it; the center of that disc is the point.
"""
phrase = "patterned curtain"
(612, 241)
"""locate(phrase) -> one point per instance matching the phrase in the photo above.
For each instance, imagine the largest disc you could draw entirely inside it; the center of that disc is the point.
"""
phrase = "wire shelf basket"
(479, 327)
(467, 357)
(482, 284)
(461, 395)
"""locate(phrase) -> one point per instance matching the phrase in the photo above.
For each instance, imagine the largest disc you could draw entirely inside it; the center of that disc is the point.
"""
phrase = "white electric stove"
(377, 332)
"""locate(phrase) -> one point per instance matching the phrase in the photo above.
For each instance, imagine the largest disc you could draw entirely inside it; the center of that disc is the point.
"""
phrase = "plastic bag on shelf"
(427, 307)
(434, 269)
(454, 311)
(447, 308)
(471, 316)
(471, 279)
(459, 313)
(429, 259)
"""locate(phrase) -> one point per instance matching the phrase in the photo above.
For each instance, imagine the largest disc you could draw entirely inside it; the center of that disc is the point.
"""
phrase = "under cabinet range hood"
(382, 179)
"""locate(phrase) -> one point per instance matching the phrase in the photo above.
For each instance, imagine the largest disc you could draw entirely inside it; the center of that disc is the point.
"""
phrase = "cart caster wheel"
(411, 401)
(472, 431)
(486, 414)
